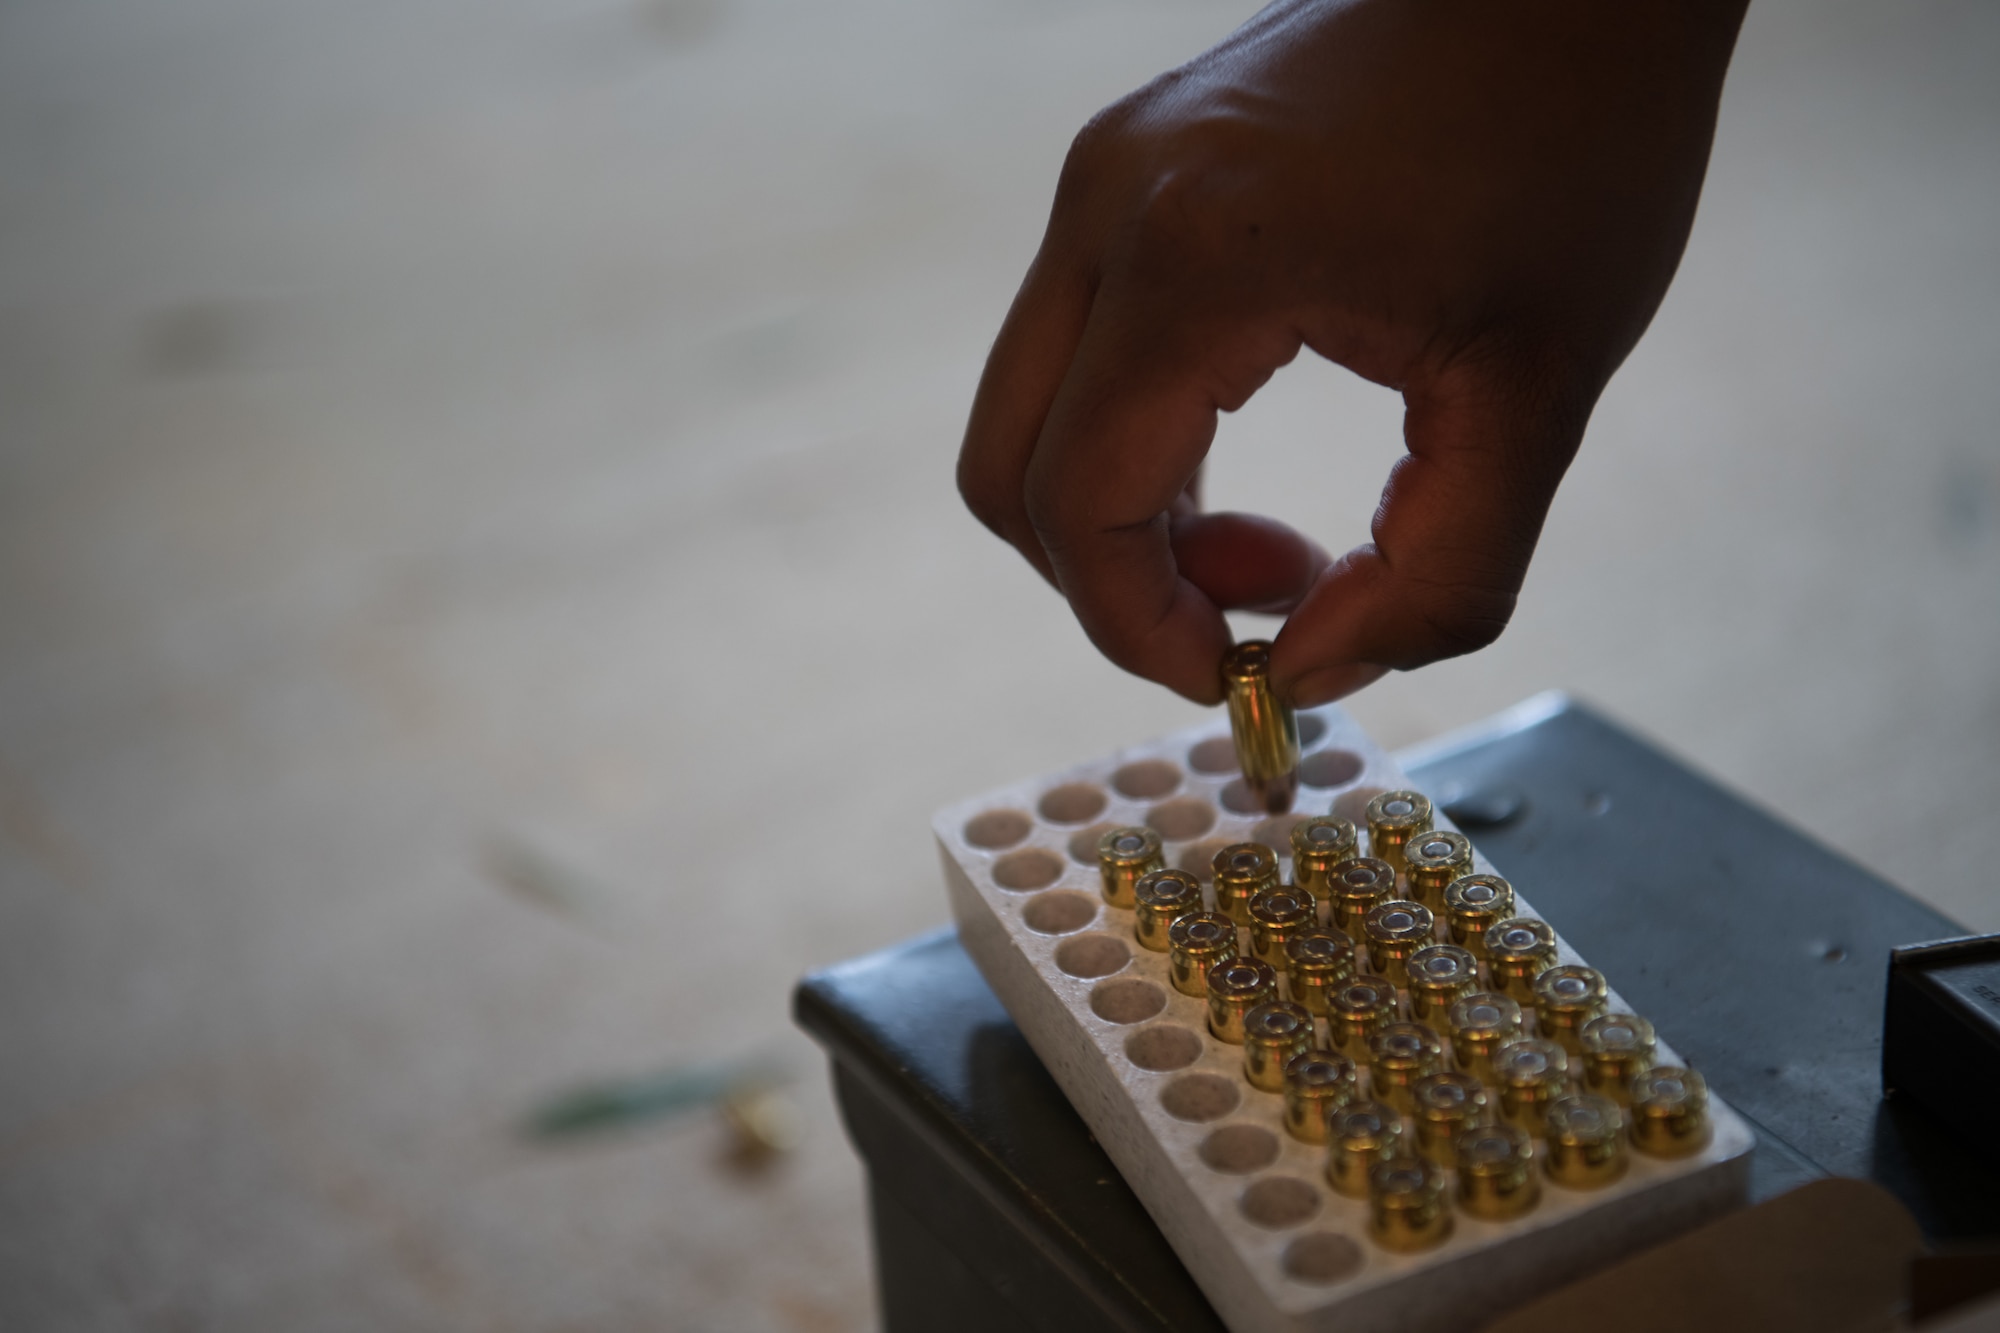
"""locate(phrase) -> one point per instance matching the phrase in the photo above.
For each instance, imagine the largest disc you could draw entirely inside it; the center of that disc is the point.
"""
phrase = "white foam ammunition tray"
(1244, 1204)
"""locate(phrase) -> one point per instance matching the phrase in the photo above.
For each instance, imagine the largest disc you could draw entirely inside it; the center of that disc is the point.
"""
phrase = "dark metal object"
(1941, 1034)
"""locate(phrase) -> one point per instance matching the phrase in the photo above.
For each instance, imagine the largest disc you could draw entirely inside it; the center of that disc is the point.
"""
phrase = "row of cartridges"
(1484, 1059)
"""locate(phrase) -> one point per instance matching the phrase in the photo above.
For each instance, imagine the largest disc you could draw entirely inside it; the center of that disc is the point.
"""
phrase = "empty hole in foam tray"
(1312, 729)
(1276, 832)
(1029, 868)
(1200, 1097)
(1072, 803)
(1352, 804)
(1180, 819)
(1059, 911)
(1132, 1000)
(1088, 956)
(1199, 860)
(1237, 798)
(1330, 768)
(1279, 1201)
(1162, 1048)
(1215, 755)
(1146, 778)
(994, 829)
(1322, 1257)
(1240, 1149)
(1083, 844)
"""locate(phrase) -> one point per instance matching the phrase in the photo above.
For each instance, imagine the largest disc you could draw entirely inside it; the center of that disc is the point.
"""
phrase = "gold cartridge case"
(1518, 950)
(1356, 1011)
(1318, 845)
(1394, 931)
(1669, 1111)
(1195, 943)
(1473, 905)
(1586, 1141)
(1398, 1055)
(1317, 961)
(1123, 856)
(1394, 818)
(1242, 871)
(1615, 1047)
(1317, 1084)
(1275, 916)
(1235, 987)
(1409, 1204)
(1481, 1023)
(1496, 1172)
(1273, 1034)
(1440, 975)
(1444, 1105)
(1356, 887)
(1529, 1075)
(1566, 998)
(1432, 860)
(1360, 1136)
(1160, 898)
(1265, 730)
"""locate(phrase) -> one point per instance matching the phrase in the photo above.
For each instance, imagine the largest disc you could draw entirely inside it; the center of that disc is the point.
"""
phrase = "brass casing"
(1235, 987)
(1266, 730)
(1398, 1055)
(1195, 943)
(1275, 916)
(1123, 855)
(1408, 1203)
(1481, 1023)
(1355, 887)
(1518, 950)
(1359, 1136)
(1394, 931)
(1444, 1105)
(1274, 1033)
(1394, 818)
(1159, 898)
(1432, 860)
(1317, 1084)
(1566, 998)
(1529, 1074)
(1317, 961)
(1586, 1141)
(1496, 1172)
(1615, 1047)
(1439, 975)
(1242, 871)
(1669, 1111)
(1318, 845)
(1357, 1010)
(1473, 905)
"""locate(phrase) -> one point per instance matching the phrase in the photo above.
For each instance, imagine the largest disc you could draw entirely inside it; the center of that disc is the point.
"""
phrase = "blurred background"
(483, 605)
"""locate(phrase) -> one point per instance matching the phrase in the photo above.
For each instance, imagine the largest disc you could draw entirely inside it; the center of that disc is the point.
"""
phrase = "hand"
(1478, 203)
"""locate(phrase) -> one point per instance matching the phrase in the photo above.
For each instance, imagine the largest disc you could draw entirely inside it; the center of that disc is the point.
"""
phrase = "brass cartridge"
(1444, 1105)
(1356, 887)
(1615, 1047)
(1586, 1138)
(1433, 860)
(1409, 1208)
(1317, 961)
(1265, 730)
(1669, 1111)
(1481, 1023)
(1496, 1172)
(1275, 916)
(1159, 899)
(1473, 905)
(1356, 1011)
(1440, 975)
(1235, 987)
(1393, 931)
(1317, 1084)
(1195, 943)
(1123, 855)
(1565, 999)
(1242, 871)
(1273, 1034)
(1529, 1075)
(1318, 845)
(1518, 950)
(1398, 1055)
(1359, 1137)
(1394, 818)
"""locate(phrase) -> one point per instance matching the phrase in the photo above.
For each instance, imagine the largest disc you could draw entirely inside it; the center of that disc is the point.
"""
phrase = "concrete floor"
(437, 437)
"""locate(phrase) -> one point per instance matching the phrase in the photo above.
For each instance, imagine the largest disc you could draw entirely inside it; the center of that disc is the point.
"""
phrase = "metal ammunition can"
(1242, 871)
(1586, 1141)
(1566, 998)
(1432, 860)
(1473, 905)
(1159, 899)
(1356, 1011)
(1398, 1055)
(1123, 856)
(1408, 1206)
(1444, 1105)
(1518, 950)
(1529, 1074)
(1274, 1033)
(1265, 730)
(1394, 818)
(1360, 1136)
(1317, 961)
(1496, 1172)
(1440, 975)
(1615, 1047)
(1317, 1084)
(1276, 915)
(1669, 1111)
(1195, 943)
(1393, 931)
(1318, 845)
(1481, 1023)
(1235, 987)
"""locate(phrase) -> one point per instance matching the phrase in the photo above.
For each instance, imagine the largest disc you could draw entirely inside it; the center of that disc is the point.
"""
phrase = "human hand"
(1474, 202)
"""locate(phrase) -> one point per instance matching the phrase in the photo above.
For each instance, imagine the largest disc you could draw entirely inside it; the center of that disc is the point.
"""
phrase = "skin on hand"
(1477, 203)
